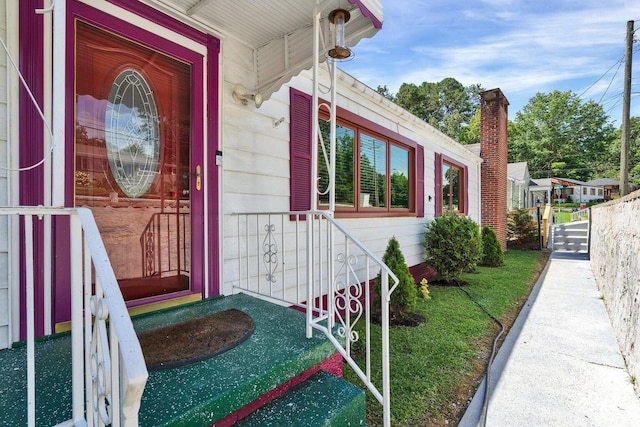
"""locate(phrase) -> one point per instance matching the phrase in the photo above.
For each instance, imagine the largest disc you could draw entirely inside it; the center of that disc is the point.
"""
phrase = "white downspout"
(48, 171)
(59, 107)
(55, 176)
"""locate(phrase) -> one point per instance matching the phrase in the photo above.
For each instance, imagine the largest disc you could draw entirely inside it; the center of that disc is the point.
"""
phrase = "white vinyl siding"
(255, 151)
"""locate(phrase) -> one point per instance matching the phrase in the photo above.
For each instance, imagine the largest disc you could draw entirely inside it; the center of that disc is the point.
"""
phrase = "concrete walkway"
(560, 365)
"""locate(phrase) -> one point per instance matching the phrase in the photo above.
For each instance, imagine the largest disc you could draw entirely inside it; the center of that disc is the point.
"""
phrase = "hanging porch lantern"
(339, 18)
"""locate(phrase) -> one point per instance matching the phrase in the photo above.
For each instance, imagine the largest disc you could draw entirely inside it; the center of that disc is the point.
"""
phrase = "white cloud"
(521, 48)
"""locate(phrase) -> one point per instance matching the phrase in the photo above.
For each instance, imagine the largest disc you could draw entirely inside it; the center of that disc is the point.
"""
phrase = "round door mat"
(195, 339)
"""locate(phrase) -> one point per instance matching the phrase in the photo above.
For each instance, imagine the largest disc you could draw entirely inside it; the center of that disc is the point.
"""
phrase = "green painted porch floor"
(192, 395)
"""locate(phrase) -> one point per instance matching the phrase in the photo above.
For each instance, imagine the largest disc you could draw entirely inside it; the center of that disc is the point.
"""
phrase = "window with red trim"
(376, 172)
(451, 186)
(452, 196)
(379, 177)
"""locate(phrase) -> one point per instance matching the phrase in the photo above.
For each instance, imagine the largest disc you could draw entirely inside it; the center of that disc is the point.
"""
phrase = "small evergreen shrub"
(452, 245)
(522, 229)
(403, 298)
(492, 255)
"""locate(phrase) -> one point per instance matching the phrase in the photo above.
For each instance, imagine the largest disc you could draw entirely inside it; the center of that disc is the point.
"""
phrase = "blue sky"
(521, 46)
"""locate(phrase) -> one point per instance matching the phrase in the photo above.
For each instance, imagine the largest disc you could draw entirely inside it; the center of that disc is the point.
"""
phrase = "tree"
(447, 105)
(403, 298)
(613, 155)
(521, 230)
(384, 91)
(560, 135)
(634, 151)
(470, 134)
(492, 255)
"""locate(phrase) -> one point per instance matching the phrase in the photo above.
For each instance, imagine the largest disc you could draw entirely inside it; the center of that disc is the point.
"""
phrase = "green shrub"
(403, 298)
(521, 227)
(452, 245)
(594, 202)
(567, 205)
(492, 255)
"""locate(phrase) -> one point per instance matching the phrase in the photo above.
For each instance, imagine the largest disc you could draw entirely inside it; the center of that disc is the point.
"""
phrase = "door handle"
(198, 178)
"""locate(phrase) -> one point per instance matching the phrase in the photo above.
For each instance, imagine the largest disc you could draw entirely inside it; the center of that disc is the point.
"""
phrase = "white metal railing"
(581, 215)
(108, 369)
(309, 260)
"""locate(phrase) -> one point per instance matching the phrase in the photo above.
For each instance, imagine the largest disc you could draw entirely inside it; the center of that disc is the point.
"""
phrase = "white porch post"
(331, 167)
(332, 189)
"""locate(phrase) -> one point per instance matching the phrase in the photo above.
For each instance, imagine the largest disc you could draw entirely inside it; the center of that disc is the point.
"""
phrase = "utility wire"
(39, 110)
(611, 81)
(618, 62)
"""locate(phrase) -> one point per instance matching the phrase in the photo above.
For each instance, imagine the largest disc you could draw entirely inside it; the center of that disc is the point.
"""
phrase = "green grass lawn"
(436, 366)
(562, 217)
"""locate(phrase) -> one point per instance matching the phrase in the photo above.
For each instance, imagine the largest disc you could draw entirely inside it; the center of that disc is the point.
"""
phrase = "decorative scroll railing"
(107, 366)
(307, 259)
(165, 245)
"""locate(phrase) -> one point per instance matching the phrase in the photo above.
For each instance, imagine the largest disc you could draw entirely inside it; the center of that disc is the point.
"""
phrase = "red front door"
(138, 161)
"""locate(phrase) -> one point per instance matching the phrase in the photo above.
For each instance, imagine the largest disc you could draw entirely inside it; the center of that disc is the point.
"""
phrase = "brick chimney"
(493, 150)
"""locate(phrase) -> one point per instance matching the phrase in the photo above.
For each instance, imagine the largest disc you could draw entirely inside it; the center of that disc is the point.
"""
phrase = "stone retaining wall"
(615, 260)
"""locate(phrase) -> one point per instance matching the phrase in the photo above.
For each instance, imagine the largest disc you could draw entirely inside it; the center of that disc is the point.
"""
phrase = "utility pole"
(626, 112)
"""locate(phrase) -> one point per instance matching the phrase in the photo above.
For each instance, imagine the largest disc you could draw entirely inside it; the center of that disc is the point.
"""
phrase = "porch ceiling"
(280, 32)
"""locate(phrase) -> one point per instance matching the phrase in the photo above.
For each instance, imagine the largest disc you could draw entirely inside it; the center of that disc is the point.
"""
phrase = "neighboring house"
(610, 186)
(518, 179)
(560, 190)
(180, 117)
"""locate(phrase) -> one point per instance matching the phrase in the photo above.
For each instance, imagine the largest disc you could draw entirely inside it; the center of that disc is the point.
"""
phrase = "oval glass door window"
(132, 133)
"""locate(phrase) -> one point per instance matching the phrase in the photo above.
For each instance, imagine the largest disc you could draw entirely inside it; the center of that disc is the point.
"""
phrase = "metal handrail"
(310, 260)
(581, 215)
(108, 368)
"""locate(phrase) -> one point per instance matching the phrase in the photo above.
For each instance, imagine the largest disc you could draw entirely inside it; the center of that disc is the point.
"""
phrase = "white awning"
(280, 32)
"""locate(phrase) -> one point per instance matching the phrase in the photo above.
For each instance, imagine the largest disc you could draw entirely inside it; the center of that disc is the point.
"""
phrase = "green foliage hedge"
(521, 228)
(452, 245)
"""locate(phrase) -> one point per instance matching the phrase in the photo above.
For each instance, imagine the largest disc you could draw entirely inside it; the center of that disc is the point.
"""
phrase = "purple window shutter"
(300, 151)
(420, 180)
(438, 184)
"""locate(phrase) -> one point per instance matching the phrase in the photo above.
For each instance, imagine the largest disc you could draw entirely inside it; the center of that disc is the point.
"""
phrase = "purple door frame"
(31, 183)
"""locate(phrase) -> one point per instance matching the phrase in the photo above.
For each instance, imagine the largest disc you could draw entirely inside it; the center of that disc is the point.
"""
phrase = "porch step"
(277, 354)
(322, 400)
(205, 393)
(571, 237)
